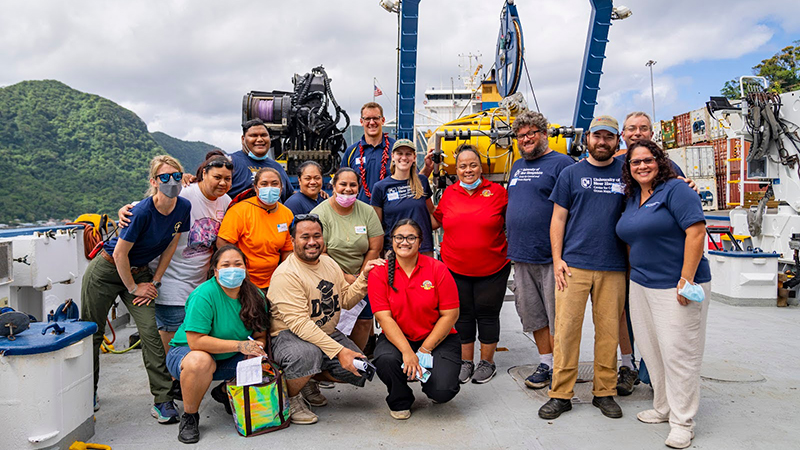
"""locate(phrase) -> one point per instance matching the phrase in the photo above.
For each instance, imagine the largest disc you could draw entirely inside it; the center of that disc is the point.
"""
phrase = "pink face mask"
(345, 201)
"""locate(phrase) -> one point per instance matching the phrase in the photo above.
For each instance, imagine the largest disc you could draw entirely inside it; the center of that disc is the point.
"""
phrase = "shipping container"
(668, 134)
(717, 128)
(695, 161)
(707, 187)
(683, 130)
(699, 125)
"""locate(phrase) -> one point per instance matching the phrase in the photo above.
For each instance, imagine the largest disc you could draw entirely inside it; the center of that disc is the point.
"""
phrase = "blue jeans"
(226, 368)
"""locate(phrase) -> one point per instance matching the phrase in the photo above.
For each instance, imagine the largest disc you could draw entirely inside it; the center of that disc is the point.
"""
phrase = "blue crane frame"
(595, 53)
(407, 68)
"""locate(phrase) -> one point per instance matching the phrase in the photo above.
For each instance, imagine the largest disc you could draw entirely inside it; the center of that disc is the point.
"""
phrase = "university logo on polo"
(586, 182)
(487, 193)
(427, 285)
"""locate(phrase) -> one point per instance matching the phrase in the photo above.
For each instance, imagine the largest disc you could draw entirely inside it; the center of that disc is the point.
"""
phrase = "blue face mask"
(269, 194)
(692, 292)
(470, 186)
(257, 158)
(231, 277)
(425, 360)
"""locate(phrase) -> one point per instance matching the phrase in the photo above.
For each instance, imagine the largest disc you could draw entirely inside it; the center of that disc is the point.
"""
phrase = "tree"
(782, 71)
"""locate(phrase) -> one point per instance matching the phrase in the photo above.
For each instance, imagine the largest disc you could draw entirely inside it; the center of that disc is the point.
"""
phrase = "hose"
(108, 344)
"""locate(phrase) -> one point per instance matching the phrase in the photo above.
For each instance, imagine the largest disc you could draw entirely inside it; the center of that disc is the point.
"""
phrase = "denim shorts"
(226, 368)
(366, 313)
(169, 317)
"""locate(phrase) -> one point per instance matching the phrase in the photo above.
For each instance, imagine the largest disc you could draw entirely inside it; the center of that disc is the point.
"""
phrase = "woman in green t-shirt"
(226, 321)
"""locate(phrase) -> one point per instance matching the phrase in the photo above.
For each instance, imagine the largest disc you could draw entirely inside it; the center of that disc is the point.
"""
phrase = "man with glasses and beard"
(527, 219)
(306, 294)
(588, 259)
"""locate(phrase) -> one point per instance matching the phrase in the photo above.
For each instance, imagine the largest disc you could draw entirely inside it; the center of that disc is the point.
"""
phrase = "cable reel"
(510, 51)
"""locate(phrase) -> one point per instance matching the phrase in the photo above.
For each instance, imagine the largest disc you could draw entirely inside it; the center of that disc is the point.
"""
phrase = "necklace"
(384, 158)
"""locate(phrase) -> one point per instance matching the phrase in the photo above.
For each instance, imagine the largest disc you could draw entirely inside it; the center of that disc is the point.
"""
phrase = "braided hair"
(391, 257)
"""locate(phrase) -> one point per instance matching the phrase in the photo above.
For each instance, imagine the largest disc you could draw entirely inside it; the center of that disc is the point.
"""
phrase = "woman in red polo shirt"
(472, 213)
(415, 300)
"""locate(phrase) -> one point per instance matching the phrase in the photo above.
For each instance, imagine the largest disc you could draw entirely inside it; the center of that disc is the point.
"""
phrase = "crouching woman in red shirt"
(415, 300)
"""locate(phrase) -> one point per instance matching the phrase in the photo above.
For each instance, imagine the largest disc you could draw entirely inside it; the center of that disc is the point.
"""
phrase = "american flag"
(376, 91)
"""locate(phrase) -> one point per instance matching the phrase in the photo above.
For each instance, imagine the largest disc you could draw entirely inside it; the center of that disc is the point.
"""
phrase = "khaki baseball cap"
(607, 123)
(404, 143)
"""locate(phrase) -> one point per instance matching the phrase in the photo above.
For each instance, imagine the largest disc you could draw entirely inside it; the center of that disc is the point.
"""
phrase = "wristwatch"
(157, 284)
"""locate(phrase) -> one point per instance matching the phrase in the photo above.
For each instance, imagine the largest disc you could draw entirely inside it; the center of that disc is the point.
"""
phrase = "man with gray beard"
(528, 222)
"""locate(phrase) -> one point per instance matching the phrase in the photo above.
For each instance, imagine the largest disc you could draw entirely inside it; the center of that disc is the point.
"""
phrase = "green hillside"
(190, 153)
(66, 152)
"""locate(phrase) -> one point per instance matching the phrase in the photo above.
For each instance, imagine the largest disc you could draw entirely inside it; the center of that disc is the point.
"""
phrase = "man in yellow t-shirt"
(307, 293)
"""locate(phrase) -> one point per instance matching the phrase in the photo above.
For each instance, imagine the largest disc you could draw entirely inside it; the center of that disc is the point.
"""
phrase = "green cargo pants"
(101, 286)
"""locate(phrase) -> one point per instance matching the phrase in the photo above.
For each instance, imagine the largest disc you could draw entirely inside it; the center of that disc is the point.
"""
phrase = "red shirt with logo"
(474, 242)
(419, 298)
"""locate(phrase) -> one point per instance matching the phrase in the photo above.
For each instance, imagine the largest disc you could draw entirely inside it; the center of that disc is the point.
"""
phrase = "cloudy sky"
(183, 66)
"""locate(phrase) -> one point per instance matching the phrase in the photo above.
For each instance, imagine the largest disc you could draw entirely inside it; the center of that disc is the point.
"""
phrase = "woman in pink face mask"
(353, 235)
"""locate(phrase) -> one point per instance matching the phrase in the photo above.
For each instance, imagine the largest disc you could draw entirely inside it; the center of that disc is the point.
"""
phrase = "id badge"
(282, 227)
(393, 196)
(361, 230)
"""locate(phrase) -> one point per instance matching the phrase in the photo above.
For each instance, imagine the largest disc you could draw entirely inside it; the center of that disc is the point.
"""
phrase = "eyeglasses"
(226, 164)
(528, 135)
(306, 217)
(646, 161)
(371, 119)
(164, 177)
(633, 128)
(399, 238)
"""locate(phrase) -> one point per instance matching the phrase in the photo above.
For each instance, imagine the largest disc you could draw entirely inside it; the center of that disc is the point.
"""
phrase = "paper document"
(347, 318)
(248, 372)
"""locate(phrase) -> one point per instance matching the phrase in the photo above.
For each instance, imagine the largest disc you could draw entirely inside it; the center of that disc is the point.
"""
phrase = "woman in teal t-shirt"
(226, 321)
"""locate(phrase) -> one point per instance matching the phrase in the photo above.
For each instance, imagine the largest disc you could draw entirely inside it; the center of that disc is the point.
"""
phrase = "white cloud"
(183, 66)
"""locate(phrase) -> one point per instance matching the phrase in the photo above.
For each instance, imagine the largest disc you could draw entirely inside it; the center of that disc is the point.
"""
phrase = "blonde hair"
(155, 166)
(413, 178)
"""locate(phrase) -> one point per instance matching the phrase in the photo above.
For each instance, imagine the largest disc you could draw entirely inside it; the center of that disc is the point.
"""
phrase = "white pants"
(671, 339)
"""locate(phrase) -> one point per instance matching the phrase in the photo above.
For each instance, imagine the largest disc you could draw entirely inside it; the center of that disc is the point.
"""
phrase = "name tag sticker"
(513, 182)
(617, 188)
(393, 196)
(361, 230)
(359, 161)
(282, 227)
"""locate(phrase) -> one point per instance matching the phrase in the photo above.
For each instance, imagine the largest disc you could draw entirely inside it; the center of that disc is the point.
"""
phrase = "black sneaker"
(540, 378)
(554, 407)
(626, 380)
(219, 394)
(189, 429)
(608, 406)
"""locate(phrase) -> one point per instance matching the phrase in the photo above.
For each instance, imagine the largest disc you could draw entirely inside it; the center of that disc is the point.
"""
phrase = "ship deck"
(750, 399)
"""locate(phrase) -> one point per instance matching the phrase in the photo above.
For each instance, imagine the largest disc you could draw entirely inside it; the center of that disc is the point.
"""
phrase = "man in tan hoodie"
(306, 294)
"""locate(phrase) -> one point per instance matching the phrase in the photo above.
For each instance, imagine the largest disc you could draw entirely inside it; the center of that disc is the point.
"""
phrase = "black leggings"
(481, 299)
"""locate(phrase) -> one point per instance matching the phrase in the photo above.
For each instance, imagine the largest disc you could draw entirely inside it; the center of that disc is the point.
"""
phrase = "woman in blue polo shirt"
(664, 227)
(404, 195)
(121, 270)
(309, 175)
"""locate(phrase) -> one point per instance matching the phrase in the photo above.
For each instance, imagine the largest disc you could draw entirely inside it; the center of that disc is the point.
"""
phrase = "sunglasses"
(303, 217)
(217, 164)
(164, 177)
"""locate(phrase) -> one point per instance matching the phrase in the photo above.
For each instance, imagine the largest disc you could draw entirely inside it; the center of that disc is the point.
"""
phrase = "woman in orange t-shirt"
(259, 226)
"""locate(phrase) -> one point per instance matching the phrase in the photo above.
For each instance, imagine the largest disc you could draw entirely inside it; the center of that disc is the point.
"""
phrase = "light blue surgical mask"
(471, 186)
(692, 292)
(269, 194)
(425, 360)
(257, 158)
(231, 277)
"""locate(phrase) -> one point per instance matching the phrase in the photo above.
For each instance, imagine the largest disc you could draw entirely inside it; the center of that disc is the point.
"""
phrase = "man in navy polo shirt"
(588, 259)
(371, 156)
(254, 156)
(527, 217)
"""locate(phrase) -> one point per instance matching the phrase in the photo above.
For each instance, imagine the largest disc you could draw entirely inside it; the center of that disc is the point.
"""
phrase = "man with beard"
(527, 217)
(254, 156)
(588, 259)
(306, 294)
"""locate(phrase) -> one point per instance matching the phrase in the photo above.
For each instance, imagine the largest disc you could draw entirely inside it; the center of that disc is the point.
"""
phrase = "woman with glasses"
(259, 226)
(404, 195)
(664, 227)
(472, 213)
(353, 236)
(309, 174)
(226, 321)
(415, 300)
(121, 270)
(189, 265)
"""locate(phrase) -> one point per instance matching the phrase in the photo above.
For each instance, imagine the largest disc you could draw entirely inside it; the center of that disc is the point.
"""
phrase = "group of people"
(303, 276)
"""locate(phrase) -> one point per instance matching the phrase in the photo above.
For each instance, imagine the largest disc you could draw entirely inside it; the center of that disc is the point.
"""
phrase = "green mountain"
(66, 152)
(190, 153)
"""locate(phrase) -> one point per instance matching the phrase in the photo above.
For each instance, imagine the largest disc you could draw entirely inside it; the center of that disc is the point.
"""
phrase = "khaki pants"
(101, 286)
(671, 338)
(607, 290)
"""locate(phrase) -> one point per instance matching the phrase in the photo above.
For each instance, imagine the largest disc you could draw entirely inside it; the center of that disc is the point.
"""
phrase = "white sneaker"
(679, 438)
(651, 416)
(400, 415)
(300, 414)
